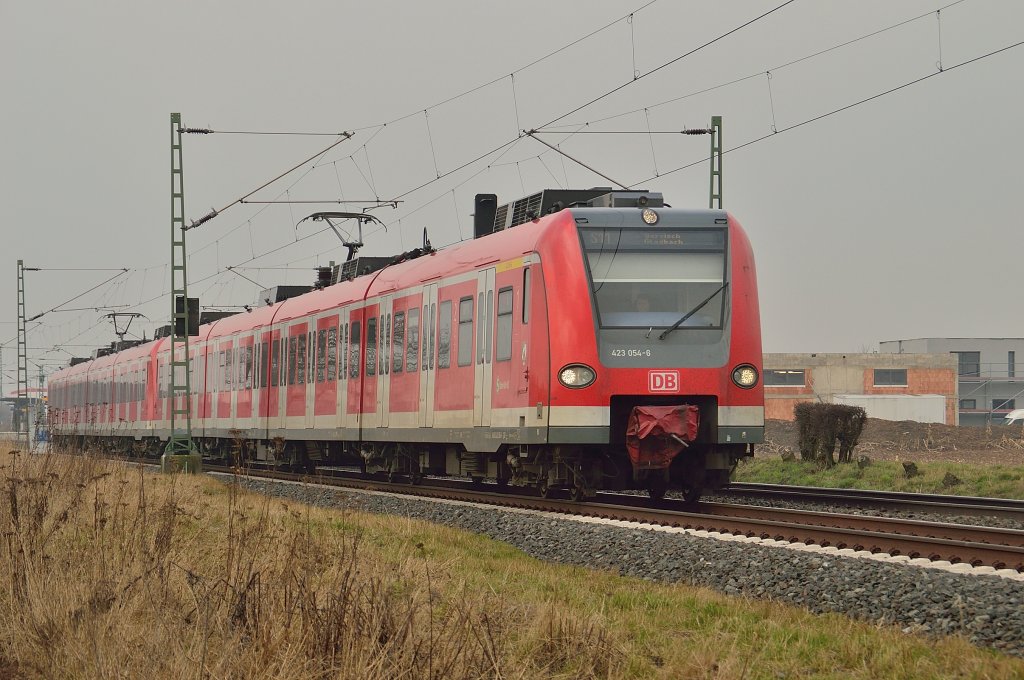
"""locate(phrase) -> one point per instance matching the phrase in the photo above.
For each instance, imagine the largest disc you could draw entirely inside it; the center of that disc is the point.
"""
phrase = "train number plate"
(663, 381)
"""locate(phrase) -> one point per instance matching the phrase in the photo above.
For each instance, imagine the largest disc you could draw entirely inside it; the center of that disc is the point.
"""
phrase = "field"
(111, 571)
(967, 461)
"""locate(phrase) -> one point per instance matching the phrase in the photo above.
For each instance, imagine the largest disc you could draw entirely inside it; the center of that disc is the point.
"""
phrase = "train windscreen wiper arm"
(693, 311)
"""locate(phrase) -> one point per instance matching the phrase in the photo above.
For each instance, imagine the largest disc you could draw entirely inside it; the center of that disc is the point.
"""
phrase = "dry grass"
(109, 571)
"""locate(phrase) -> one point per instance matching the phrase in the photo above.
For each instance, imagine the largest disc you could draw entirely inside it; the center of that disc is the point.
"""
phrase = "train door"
(352, 341)
(311, 360)
(272, 410)
(295, 402)
(484, 342)
(428, 352)
(232, 366)
(261, 393)
(384, 362)
(341, 386)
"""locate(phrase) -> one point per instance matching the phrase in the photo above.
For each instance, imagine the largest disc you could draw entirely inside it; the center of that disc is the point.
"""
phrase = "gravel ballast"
(988, 610)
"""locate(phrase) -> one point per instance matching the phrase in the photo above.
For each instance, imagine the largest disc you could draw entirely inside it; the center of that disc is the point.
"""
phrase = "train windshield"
(652, 277)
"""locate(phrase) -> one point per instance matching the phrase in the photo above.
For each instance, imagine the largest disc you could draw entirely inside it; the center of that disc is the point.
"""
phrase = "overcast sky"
(895, 218)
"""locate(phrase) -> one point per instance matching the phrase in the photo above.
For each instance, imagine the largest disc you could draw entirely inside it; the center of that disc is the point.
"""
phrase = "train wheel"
(416, 478)
(577, 494)
(543, 489)
(656, 488)
(691, 495)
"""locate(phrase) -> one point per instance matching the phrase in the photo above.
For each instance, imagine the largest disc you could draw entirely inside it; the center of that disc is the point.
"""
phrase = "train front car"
(655, 347)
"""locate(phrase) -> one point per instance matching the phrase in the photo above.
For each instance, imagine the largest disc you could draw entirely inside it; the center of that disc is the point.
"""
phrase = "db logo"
(663, 381)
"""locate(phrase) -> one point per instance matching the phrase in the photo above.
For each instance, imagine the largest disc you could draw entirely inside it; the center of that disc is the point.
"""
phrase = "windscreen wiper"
(693, 311)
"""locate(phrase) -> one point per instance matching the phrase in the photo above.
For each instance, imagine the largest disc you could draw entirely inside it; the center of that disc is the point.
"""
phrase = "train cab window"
(465, 349)
(321, 355)
(412, 343)
(398, 343)
(503, 341)
(526, 295)
(371, 346)
(444, 335)
(332, 353)
(353, 356)
(275, 364)
(653, 277)
(300, 359)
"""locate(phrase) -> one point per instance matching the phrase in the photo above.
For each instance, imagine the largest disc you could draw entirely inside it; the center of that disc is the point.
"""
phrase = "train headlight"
(744, 376)
(576, 376)
(649, 216)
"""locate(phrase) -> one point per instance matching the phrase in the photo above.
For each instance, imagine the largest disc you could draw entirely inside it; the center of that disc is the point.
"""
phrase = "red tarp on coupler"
(656, 434)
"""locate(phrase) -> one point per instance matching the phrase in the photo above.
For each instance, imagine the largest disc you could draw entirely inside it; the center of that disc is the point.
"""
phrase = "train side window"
(433, 325)
(275, 364)
(311, 356)
(480, 331)
(412, 346)
(321, 355)
(465, 349)
(371, 346)
(428, 333)
(385, 345)
(250, 355)
(343, 330)
(293, 343)
(332, 353)
(263, 365)
(503, 343)
(444, 335)
(398, 343)
(526, 295)
(353, 357)
(488, 340)
(300, 363)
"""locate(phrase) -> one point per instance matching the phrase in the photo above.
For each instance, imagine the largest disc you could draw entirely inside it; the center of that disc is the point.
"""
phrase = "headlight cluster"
(744, 376)
(576, 375)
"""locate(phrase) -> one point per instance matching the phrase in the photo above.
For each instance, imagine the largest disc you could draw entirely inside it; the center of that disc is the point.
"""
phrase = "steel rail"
(961, 544)
(893, 500)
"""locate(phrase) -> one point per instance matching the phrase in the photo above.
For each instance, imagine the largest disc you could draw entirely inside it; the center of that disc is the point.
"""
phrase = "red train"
(585, 340)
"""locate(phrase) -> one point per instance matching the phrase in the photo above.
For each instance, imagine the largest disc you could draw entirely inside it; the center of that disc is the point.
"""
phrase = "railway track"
(888, 500)
(934, 541)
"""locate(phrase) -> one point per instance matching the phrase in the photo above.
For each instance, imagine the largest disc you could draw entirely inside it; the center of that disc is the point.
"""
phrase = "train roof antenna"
(359, 217)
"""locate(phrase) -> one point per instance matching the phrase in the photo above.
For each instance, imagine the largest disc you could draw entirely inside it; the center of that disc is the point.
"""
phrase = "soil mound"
(907, 436)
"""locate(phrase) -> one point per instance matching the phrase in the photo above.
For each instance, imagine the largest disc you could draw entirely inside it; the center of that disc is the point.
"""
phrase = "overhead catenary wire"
(758, 74)
(668, 63)
(840, 109)
(209, 216)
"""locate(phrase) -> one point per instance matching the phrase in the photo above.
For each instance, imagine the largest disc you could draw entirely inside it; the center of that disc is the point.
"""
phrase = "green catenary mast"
(181, 452)
(21, 400)
(716, 162)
